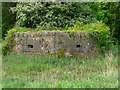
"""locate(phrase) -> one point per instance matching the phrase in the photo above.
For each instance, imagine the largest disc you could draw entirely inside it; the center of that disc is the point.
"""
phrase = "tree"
(108, 13)
(58, 14)
(112, 17)
(8, 19)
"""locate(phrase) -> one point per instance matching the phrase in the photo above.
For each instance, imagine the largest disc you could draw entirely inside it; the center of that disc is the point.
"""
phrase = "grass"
(40, 71)
(0, 47)
(0, 65)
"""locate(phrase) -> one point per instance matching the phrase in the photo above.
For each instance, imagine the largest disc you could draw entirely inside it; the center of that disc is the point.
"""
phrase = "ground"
(40, 71)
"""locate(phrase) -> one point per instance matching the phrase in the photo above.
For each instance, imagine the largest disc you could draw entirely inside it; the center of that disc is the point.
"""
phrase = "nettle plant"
(98, 31)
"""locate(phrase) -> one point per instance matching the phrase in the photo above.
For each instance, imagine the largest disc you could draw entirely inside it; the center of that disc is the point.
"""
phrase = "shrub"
(48, 28)
(98, 31)
(8, 43)
(8, 19)
(59, 14)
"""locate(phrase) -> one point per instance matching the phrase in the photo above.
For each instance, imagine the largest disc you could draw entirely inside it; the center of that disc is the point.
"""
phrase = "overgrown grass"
(0, 47)
(40, 71)
(0, 65)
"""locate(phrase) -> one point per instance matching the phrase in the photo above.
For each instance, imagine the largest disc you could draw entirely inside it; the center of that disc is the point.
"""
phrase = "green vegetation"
(40, 71)
(110, 16)
(100, 19)
(0, 49)
(8, 43)
(91, 27)
(58, 14)
(8, 18)
(98, 31)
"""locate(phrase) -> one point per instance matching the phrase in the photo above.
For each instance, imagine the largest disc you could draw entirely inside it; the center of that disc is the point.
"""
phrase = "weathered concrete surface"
(77, 44)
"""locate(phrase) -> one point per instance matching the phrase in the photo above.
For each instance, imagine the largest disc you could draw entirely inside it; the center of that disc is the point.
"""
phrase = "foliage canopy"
(8, 18)
(58, 14)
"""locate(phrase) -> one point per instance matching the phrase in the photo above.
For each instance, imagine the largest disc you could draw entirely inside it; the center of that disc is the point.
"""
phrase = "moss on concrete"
(60, 52)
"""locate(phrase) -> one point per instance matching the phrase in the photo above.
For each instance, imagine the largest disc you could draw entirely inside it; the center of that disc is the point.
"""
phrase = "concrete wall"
(77, 44)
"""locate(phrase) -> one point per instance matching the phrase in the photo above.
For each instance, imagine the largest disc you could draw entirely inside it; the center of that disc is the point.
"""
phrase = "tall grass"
(40, 71)
(0, 65)
(0, 47)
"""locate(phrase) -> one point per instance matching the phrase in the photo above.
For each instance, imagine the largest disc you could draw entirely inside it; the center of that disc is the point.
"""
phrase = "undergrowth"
(40, 71)
(9, 42)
